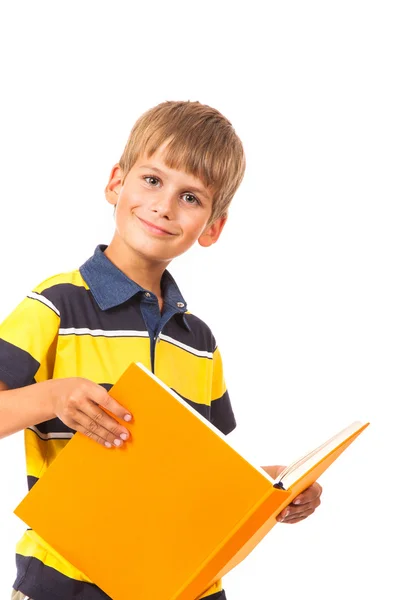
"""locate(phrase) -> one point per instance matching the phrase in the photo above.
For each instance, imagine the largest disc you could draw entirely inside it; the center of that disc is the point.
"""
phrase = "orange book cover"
(172, 511)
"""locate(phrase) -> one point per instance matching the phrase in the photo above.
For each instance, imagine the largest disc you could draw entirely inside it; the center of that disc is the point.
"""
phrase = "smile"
(154, 228)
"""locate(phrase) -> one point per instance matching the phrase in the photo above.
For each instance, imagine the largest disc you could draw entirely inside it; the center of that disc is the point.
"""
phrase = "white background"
(302, 289)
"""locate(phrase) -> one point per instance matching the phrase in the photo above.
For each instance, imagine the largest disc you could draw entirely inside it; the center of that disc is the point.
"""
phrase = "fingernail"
(107, 444)
(117, 442)
(297, 501)
(127, 417)
(124, 436)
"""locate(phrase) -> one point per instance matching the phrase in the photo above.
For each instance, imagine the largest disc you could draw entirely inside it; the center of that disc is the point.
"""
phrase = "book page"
(298, 468)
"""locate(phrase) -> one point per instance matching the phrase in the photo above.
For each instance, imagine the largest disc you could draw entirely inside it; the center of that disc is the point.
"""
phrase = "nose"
(163, 204)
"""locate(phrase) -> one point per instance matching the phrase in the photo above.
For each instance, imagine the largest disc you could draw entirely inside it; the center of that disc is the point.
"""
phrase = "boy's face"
(161, 212)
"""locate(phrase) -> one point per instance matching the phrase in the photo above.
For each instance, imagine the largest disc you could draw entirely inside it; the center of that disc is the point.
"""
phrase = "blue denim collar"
(111, 287)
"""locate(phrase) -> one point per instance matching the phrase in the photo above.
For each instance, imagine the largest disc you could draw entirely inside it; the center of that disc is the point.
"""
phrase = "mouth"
(154, 229)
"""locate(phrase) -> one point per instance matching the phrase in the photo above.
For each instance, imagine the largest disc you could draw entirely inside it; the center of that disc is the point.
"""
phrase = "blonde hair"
(202, 143)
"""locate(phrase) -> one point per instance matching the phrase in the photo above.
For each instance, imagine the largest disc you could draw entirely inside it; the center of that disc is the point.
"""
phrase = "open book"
(171, 512)
(298, 469)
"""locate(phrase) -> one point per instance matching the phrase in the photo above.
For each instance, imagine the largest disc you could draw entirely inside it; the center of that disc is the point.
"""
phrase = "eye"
(192, 199)
(152, 180)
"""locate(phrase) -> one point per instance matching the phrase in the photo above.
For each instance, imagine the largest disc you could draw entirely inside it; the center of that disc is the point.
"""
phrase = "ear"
(211, 234)
(114, 185)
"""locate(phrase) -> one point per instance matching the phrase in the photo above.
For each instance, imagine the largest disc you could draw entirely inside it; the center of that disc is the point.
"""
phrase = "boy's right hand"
(78, 401)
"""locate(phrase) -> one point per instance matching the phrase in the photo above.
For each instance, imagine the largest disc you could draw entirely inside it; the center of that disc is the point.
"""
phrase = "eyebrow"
(192, 187)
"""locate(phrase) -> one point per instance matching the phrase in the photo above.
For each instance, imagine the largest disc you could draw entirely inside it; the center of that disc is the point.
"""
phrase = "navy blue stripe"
(40, 582)
(203, 409)
(31, 481)
(17, 367)
(222, 414)
(78, 309)
(41, 302)
(32, 573)
(198, 337)
(54, 426)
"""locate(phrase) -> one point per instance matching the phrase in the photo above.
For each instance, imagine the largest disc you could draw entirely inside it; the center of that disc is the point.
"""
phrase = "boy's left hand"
(303, 505)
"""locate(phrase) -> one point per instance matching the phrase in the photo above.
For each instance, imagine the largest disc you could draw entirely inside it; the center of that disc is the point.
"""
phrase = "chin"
(150, 253)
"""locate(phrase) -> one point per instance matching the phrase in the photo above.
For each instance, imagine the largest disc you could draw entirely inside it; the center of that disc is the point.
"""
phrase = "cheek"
(123, 214)
(128, 202)
(193, 227)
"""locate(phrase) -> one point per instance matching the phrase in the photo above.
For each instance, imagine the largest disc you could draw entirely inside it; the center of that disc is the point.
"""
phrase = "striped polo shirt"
(92, 323)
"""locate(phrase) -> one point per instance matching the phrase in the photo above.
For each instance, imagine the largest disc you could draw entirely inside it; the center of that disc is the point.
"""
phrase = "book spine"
(237, 545)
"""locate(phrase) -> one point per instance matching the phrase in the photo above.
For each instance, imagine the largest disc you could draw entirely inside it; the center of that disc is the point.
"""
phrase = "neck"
(141, 270)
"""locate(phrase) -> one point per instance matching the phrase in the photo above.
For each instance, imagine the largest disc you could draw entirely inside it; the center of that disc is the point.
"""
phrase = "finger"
(292, 511)
(293, 521)
(304, 505)
(95, 412)
(97, 424)
(92, 435)
(294, 517)
(297, 516)
(310, 494)
(100, 396)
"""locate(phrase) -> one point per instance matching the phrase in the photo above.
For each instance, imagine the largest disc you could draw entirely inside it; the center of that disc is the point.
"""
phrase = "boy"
(67, 343)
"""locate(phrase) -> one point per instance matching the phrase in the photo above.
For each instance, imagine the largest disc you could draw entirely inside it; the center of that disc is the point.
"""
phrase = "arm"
(76, 401)
(303, 505)
(23, 407)
(28, 339)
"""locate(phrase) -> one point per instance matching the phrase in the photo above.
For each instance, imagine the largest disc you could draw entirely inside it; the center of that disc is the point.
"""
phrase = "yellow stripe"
(217, 587)
(187, 374)
(40, 453)
(40, 328)
(33, 545)
(100, 359)
(73, 277)
(218, 380)
(45, 371)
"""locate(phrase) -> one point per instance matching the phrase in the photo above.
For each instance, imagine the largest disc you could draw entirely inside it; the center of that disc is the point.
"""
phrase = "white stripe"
(43, 300)
(102, 332)
(50, 436)
(202, 353)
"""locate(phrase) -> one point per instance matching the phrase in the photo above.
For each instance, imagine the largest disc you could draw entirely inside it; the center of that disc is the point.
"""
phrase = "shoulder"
(201, 331)
(61, 287)
(73, 278)
(51, 293)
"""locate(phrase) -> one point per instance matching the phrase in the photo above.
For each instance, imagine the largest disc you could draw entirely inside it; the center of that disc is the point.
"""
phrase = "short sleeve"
(28, 338)
(221, 409)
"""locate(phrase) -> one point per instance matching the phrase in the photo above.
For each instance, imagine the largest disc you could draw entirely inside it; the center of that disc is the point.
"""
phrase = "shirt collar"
(111, 287)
